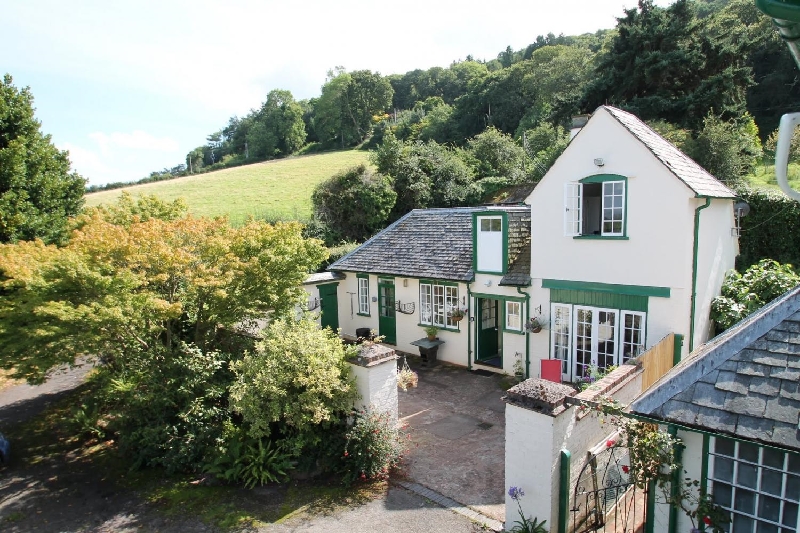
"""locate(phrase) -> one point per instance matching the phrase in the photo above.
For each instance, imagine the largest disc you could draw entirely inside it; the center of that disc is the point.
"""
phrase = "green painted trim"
(602, 237)
(676, 350)
(527, 333)
(602, 178)
(429, 281)
(628, 290)
(695, 250)
(676, 480)
(334, 284)
(384, 278)
(363, 314)
(441, 328)
(650, 519)
(362, 275)
(563, 491)
(520, 301)
(404, 276)
(494, 214)
(704, 472)
(469, 326)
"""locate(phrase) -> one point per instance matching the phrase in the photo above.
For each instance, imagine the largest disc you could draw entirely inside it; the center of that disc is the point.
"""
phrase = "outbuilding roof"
(437, 244)
(693, 175)
(745, 382)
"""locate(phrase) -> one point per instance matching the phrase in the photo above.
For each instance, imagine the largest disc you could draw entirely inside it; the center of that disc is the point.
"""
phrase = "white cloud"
(136, 140)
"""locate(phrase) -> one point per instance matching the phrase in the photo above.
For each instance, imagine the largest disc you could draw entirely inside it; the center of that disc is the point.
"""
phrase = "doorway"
(329, 306)
(488, 332)
(387, 322)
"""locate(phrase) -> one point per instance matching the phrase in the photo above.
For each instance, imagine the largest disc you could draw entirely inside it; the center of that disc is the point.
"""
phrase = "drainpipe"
(469, 326)
(527, 334)
(694, 267)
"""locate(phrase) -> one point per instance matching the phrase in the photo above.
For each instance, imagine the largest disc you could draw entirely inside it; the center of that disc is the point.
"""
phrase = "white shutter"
(573, 193)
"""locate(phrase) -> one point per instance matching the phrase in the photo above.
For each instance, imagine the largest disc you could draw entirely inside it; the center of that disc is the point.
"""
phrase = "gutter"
(469, 326)
(694, 268)
(527, 333)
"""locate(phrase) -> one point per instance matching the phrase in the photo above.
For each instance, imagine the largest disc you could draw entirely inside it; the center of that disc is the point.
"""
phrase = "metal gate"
(605, 497)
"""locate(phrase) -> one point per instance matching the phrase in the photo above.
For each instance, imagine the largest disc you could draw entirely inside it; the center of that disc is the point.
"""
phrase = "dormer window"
(595, 207)
(490, 249)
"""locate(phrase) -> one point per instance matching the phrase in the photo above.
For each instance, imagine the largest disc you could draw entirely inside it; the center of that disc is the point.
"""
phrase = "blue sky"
(131, 87)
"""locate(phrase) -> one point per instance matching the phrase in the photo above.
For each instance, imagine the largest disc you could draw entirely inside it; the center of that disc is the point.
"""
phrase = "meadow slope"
(274, 189)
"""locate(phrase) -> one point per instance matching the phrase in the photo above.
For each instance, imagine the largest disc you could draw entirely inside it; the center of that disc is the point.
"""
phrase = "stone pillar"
(375, 372)
(532, 448)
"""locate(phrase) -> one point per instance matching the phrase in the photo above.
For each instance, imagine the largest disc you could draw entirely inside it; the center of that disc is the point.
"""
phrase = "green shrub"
(250, 461)
(770, 229)
(743, 294)
(374, 447)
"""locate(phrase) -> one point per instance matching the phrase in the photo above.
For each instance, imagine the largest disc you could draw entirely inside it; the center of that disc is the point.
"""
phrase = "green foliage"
(86, 418)
(38, 193)
(769, 230)
(168, 406)
(743, 294)
(250, 461)
(525, 525)
(544, 144)
(277, 128)
(373, 449)
(493, 153)
(296, 381)
(728, 149)
(354, 204)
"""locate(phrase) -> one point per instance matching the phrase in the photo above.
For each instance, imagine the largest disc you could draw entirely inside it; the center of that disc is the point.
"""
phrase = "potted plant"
(457, 314)
(431, 332)
(535, 325)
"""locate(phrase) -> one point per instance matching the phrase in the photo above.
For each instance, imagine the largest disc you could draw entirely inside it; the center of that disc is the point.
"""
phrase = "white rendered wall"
(377, 386)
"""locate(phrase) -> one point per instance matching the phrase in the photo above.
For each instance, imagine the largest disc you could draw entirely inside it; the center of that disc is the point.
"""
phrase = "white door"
(595, 338)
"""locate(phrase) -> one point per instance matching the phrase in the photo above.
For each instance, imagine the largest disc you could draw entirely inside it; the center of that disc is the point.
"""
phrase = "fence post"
(563, 492)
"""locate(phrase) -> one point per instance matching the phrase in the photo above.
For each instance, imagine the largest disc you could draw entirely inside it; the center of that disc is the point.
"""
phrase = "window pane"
(772, 458)
(425, 308)
(771, 481)
(723, 494)
(742, 524)
(793, 487)
(486, 224)
(496, 224)
(790, 514)
(769, 508)
(766, 528)
(724, 447)
(618, 188)
(745, 501)
(794, 463)
(748, 452)
(723, 469)
(747, 475)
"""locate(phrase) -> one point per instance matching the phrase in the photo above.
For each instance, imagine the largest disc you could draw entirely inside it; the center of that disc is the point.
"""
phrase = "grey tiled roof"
(430, 243)
(689, 172)
(743, 383)
(321, 277)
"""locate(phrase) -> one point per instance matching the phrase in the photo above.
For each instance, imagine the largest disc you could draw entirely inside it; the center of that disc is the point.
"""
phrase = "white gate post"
(375, 372)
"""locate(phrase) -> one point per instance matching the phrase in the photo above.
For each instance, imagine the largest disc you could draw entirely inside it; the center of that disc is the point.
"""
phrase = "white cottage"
(631, 240)
(432, 262)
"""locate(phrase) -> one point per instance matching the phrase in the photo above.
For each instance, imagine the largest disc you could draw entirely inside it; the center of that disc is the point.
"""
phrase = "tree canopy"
(38, 192)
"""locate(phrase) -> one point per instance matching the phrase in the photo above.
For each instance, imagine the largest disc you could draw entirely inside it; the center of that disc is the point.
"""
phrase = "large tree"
(127, 283)
(38, 192)
(278, 127)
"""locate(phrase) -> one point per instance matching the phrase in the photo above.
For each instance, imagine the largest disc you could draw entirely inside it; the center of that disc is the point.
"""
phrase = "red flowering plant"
(374, 447)
(652, 457)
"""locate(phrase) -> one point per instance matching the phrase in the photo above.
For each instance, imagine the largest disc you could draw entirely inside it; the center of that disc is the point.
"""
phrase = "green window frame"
(608, 209)
(363, 294)
(514, 316)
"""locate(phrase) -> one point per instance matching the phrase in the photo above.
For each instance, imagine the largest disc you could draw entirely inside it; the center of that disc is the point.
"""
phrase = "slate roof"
(321, 277)
(437, 244)
(689, 172)
(743, 382)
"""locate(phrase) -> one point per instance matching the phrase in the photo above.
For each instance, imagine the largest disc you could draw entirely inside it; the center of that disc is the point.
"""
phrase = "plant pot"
(537, 329)
(431, 337)
(456, 318)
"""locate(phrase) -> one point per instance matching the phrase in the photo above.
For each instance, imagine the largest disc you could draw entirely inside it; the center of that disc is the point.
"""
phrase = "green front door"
(387, 324)
(329, 306)
(488, 332)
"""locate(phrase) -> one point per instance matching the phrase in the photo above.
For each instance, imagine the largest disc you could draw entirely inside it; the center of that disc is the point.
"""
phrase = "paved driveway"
(457, 419)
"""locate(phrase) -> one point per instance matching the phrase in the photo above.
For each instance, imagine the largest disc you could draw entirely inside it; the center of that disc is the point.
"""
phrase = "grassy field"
(764, 176)
(274, 189)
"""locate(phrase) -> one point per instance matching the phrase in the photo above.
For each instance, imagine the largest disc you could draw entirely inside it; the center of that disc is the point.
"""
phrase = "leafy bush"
(374, 447)
(743, 294)
(251, 462)
(769, 231)
(295, 385)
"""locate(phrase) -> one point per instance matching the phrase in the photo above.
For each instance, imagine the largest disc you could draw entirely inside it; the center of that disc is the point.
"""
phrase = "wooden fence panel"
(657, 360)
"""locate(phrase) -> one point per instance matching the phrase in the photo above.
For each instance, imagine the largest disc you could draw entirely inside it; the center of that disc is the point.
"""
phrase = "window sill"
(363, 314)
(442, 328)
(513, 331)
(602, 237)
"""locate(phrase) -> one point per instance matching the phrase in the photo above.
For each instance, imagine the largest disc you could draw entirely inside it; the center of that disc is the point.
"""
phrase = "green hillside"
(279, 188)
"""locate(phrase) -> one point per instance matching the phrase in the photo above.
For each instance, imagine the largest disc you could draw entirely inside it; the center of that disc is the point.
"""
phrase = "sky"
(130, 87)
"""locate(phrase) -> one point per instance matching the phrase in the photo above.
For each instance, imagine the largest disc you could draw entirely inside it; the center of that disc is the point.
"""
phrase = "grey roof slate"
(322, 277)
(743, 382)
(437, 244)
(693, 175)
